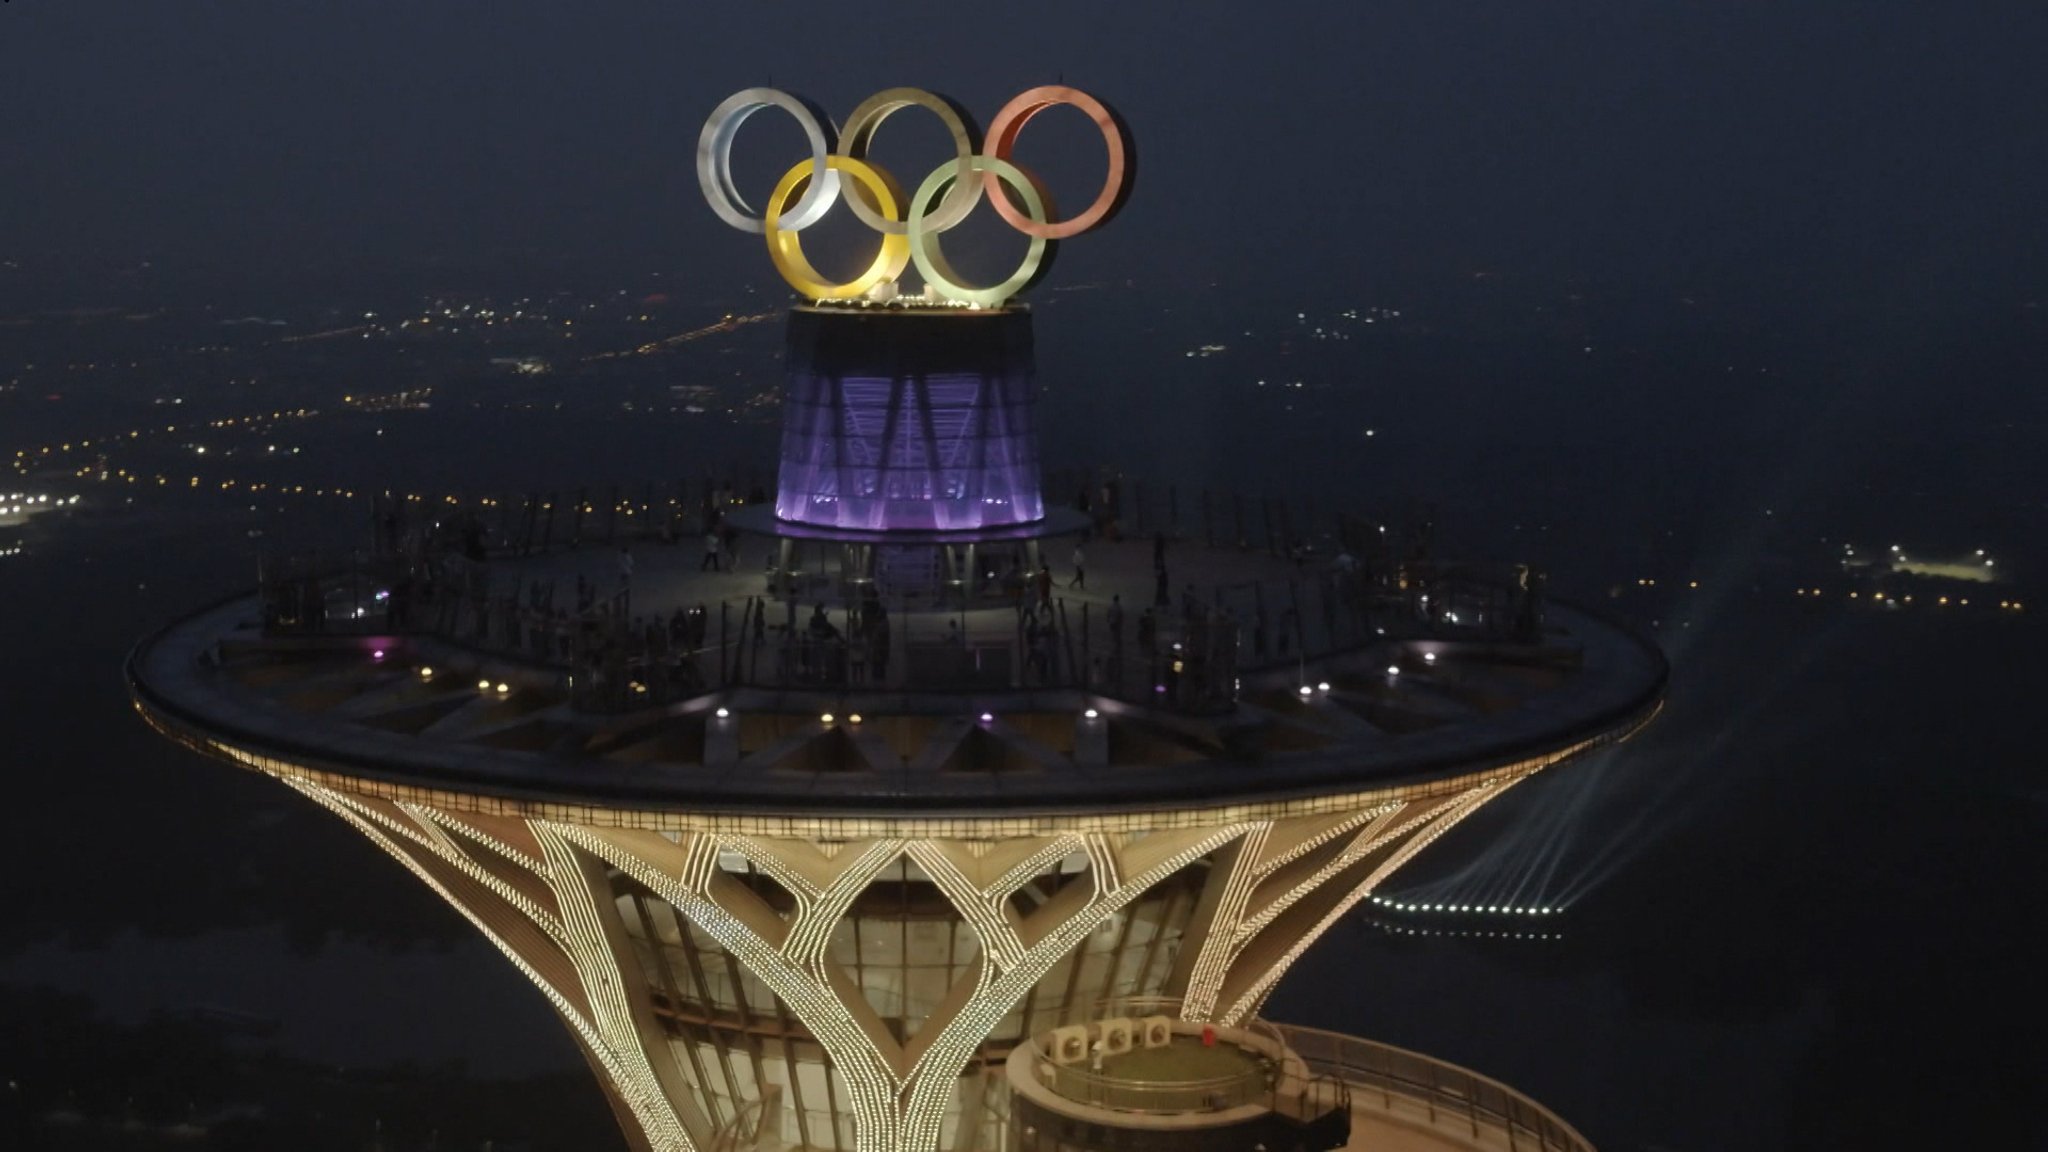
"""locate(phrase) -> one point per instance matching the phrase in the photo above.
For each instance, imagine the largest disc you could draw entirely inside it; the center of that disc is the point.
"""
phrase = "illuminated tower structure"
(782, 903)
(910, 421)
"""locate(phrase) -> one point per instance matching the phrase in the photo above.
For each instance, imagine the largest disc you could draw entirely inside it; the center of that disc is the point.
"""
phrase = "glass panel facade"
(904, 947)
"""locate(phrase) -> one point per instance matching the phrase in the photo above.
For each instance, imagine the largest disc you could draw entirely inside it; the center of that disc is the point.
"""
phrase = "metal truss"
(544, 892)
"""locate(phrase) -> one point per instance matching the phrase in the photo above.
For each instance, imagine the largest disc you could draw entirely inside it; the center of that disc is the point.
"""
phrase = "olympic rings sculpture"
(909, 226)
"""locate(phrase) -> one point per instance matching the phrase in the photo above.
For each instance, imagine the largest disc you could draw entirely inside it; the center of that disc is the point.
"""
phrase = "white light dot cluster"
(1460, 933)
(1469, 909)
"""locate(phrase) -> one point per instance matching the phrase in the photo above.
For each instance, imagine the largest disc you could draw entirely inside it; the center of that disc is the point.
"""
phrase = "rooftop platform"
(1392, 702)
(1275, 1085)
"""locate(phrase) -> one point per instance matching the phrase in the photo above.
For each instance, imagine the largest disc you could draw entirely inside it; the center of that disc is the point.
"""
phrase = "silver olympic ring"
(714, 159)
(809, 189)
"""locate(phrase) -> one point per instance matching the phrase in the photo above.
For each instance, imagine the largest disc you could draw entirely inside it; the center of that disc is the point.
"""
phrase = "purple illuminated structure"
(913, 420)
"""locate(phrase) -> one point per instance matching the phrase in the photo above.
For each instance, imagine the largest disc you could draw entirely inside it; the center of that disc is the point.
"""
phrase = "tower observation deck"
(827, 851)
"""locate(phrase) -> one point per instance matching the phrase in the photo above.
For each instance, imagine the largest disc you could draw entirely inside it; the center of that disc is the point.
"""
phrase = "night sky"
(1750, 147)
(1690, 297)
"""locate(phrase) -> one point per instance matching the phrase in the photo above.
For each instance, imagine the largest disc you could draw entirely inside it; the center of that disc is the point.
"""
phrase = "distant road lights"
(1393, 669)
(1322, 686)
(723, 713)
(853, 719)
(1307, 691)
(483, 685)
(988, 717)
(1091, 714)
(825, 718)
(426, 672)
(504, 688)
(1429, 657)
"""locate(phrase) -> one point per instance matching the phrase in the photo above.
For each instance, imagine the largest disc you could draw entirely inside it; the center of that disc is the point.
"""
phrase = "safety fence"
(1266, 1078)
(454, 575)
(1417, 1087)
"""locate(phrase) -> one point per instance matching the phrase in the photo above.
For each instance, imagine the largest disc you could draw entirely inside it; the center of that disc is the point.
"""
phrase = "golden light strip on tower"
(1247, 1004)
(898, 1094)
(625, 1066)
(819, 826)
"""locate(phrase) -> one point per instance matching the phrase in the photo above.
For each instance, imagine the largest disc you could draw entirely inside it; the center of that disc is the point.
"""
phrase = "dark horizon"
(1779, 150)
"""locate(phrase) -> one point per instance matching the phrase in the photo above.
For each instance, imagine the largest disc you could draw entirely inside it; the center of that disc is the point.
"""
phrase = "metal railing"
(1267, 1078)
(1213, 1094)
(441, 577)
(1443, 1095)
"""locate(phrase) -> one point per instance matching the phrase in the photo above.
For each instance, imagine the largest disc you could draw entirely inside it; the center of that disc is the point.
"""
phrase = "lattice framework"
(543, 892)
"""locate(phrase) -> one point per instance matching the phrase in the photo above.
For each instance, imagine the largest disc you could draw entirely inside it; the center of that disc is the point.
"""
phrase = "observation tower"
(877, 843)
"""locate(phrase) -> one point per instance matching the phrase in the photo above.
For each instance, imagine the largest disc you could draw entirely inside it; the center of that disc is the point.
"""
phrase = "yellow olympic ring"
(909, 230)
(786, 250)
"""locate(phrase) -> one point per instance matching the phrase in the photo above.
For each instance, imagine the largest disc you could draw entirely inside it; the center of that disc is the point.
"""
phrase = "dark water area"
(1799, 906)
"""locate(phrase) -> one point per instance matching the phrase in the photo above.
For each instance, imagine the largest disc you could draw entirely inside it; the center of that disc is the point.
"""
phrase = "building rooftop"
(957, 726)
